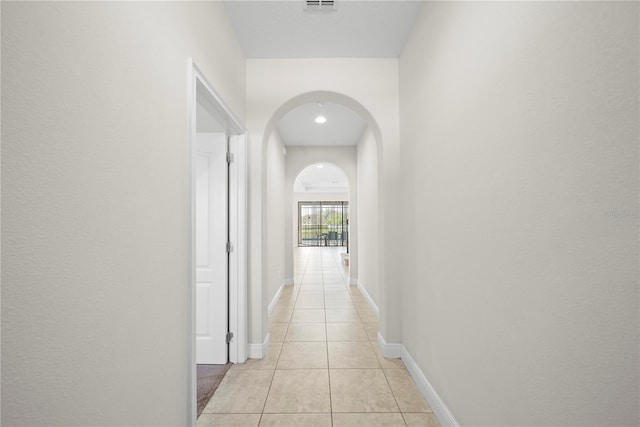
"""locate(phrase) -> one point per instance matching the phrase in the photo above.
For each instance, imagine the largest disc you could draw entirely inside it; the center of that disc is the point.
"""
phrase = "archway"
(373, 133)
(275, 87)
(320, 207)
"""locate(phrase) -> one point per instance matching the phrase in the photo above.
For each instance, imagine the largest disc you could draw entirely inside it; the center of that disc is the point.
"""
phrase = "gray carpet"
(209, 378)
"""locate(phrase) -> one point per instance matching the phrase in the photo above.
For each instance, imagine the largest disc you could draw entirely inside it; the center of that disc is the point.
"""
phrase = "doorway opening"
(314, 145)
(321, 197)
(217, 143)
(323, 223)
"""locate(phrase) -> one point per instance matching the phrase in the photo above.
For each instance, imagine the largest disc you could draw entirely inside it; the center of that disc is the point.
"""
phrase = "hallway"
(323, 367)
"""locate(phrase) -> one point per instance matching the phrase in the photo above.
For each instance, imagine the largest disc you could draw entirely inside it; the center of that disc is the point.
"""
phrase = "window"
(323, 223)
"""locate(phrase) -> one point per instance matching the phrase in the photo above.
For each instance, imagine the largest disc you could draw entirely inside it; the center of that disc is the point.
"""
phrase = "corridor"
(323, 367)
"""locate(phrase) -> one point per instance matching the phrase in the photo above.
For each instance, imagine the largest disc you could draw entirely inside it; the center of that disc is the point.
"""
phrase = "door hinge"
(229, 247)
(229, 337)
(229, 157)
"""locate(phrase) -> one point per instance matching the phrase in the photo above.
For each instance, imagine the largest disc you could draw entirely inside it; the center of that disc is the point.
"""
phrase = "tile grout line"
(268, 392)
(324, 266)
(326, 331)
(395, 399)
(280, 354)
(275, 368)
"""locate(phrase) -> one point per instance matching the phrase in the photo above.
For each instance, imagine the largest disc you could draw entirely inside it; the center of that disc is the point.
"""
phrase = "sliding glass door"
(323, 223)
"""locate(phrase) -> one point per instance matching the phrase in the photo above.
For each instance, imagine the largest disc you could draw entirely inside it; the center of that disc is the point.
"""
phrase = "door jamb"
(237, 230)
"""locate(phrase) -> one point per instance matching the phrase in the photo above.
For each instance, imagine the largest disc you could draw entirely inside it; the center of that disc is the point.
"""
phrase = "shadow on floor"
(209, 378)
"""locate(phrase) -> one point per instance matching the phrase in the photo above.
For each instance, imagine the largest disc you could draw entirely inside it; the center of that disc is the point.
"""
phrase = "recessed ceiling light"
(321, 119)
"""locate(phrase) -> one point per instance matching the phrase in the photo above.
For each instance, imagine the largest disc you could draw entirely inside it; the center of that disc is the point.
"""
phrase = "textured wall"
(369, 226)
(95, 195)
(276, 213)
(520, 157)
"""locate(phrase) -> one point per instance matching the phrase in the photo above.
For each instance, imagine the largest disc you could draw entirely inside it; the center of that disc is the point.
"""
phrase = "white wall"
(272, 85)
(519, 134)
(276, 213)
(368, 223)
(298, 158)
(95, 194)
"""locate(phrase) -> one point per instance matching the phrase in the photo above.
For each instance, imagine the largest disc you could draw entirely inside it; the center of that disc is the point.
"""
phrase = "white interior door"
(211, 252)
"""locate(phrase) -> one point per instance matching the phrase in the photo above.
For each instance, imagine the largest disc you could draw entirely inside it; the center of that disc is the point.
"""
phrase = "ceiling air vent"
(320, 5)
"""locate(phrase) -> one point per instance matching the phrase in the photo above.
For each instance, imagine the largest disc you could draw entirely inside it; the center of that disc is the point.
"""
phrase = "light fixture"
(320, 118)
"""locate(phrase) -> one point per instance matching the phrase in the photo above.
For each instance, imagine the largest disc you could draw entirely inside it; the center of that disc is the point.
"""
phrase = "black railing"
(323, 223)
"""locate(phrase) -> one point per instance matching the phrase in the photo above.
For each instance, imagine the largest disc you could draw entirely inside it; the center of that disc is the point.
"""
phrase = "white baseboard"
(369, 300)
(276, 297)
(440, 410)
(389, 350)
(259, 351)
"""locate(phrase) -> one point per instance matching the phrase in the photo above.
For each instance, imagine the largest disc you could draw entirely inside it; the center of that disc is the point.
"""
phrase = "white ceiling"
(343, 126)
(326, 179)
(356, 29)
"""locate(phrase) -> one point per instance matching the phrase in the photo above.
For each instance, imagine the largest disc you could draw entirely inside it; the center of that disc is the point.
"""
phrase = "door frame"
(198, 84)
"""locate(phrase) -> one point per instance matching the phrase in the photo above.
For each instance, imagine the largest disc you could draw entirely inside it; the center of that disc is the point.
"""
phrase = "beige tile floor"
(323, 367)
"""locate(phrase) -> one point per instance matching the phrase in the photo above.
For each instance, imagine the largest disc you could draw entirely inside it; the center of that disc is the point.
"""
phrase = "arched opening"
(320, 209)
(364, 154)
(325, 96)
